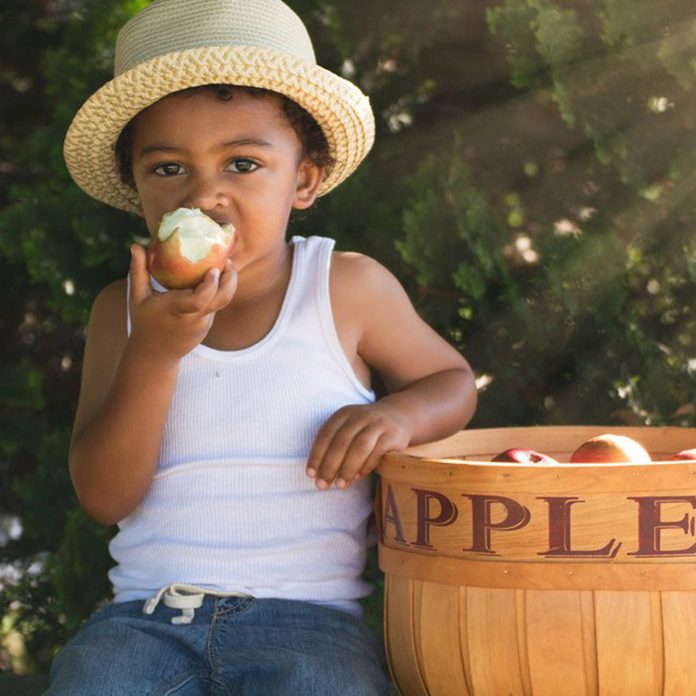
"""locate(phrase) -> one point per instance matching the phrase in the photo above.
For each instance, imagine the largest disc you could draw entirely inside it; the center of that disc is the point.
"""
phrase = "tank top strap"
(128, 315)
(315, 254)
(311, 267)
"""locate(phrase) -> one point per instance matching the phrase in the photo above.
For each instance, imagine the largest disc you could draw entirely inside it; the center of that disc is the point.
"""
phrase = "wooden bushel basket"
(539, 580)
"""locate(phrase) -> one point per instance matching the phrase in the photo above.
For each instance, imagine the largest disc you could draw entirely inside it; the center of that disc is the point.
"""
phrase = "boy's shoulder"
(364, 279)
(112, 295)
(107, 330)
(362, 286)
(360, 272)
(110, 303)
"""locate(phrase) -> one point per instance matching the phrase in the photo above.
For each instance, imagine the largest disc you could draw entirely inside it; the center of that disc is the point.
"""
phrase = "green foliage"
(453, 240)
(531, 186)
(57, 248)
(618, 72)
(516, 19)
(595, 321)
(81, 555)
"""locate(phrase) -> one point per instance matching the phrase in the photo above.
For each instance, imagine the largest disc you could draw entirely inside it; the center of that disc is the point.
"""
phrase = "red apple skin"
(609, 449)
(521, 455)
(684, 455)
(174, 271)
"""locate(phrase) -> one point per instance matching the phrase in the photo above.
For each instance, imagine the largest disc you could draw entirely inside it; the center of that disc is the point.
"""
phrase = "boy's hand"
(351, 443)
(169, 325)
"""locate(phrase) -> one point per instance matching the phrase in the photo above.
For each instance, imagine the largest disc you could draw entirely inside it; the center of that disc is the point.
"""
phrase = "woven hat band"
(164, 27)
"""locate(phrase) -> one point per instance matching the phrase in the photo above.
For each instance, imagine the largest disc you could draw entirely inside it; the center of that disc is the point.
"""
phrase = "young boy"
(230, 430)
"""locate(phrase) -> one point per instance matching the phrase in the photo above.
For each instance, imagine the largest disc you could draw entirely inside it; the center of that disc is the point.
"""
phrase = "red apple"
(520, 455)
(187, 245)
(683, 455)
(610, 448)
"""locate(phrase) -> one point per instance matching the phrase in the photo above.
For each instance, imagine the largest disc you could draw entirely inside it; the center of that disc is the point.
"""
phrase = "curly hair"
(314, 144)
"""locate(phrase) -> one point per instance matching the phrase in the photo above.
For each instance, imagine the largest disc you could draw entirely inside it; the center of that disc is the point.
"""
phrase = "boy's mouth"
(220, 221)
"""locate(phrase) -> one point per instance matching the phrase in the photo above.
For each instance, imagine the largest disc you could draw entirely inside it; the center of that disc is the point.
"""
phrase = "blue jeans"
(234, 645)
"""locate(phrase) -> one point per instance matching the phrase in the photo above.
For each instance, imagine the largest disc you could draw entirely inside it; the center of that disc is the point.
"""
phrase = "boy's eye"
(242, 165)
(168, 169)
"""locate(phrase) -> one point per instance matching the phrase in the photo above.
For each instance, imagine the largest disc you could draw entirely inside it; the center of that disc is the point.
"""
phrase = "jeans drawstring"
(187, 598)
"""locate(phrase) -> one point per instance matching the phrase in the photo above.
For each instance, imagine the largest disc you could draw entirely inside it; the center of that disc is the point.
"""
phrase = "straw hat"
(174, 44)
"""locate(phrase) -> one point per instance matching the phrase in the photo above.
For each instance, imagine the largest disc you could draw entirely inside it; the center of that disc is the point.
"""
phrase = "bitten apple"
(683, 455)
(520, 455)
(188, 243)
(610, 448)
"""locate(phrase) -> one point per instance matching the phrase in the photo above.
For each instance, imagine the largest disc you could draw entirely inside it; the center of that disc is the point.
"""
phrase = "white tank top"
(230, 507)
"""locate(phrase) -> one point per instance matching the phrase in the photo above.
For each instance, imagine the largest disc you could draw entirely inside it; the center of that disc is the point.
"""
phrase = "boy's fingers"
(363, 450)
(322, 442)
(349, 443)
(197, 299)
(227, 287)
(204, 292)
(383, 445)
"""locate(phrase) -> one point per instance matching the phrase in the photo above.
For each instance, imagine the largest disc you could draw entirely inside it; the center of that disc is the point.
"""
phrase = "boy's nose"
(206, 193)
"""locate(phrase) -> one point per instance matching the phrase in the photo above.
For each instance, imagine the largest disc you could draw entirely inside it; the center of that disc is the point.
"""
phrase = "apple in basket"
(610, 448)
(521, 455)
(187, 245)
(683, 455)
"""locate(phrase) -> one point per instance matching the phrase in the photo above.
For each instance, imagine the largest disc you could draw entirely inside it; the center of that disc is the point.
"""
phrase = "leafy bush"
(531, 186)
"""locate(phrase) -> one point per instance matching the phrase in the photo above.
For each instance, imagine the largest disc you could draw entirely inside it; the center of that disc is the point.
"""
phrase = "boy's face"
(239, 161)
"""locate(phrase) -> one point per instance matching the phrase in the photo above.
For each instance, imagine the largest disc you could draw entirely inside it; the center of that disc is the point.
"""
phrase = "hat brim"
(342, 111)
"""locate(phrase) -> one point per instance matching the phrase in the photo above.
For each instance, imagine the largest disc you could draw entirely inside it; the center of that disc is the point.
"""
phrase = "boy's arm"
(432, 387)
(127, 386)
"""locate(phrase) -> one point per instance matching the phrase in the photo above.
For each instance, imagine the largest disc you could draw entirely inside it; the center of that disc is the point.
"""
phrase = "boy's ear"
(309, 178)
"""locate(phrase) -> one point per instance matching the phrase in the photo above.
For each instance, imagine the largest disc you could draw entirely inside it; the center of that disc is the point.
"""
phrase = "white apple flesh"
(187, 245)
